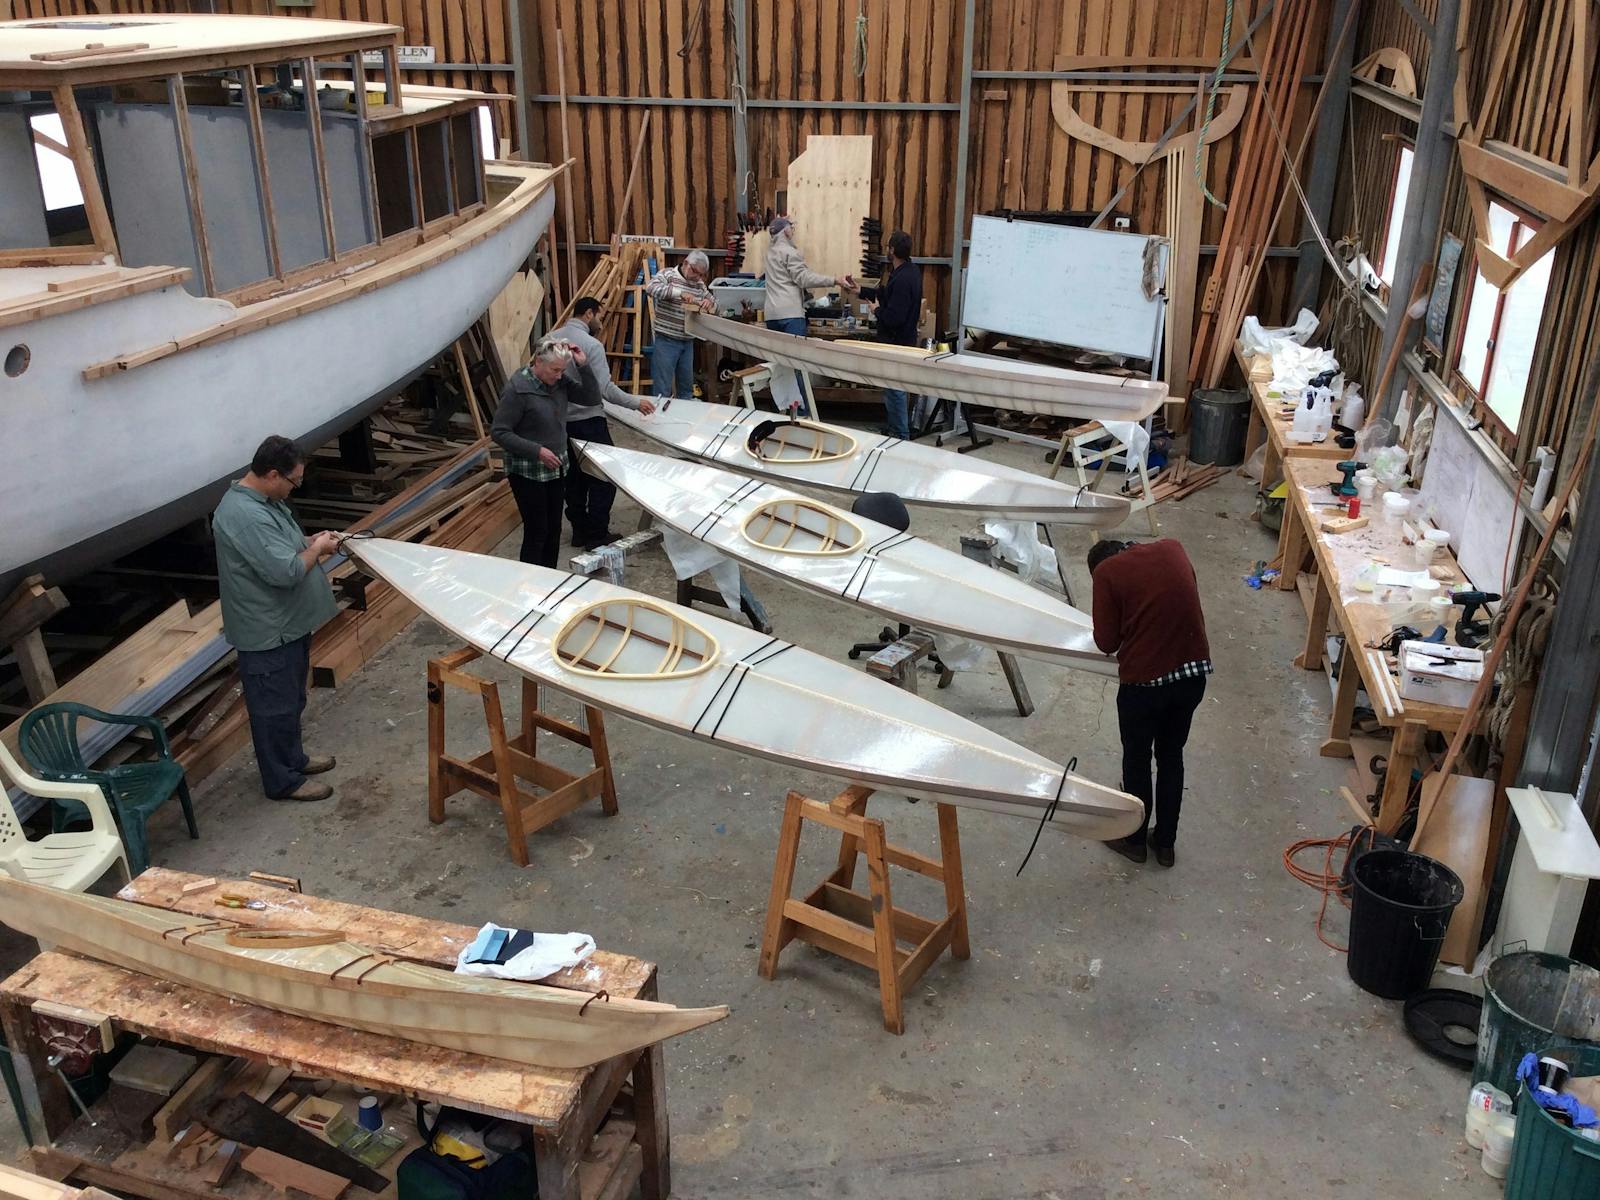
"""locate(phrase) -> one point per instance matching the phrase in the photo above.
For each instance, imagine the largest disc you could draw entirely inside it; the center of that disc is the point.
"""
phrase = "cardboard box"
(1438, 673)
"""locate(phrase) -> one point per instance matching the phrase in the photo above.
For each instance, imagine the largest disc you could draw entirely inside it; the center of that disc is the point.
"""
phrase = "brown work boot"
(317, 764)
(308, 791)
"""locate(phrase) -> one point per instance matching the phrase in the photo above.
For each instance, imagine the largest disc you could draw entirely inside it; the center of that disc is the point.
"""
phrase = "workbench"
(1268, 424)
(562, 1108)
(1364, 618)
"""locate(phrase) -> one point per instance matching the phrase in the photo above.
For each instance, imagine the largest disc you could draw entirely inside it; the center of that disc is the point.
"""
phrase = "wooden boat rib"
(733, 438)
(849, 558)
(347, 984)
(758, 695)
(629, 644)
(981, 380)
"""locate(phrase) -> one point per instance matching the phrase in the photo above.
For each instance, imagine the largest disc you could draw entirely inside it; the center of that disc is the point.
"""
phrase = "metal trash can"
(1218, 422)
(1523, 996)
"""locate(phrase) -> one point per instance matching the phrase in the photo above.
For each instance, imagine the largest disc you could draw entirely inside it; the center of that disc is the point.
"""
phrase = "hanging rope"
(1211, 108)
(697, 27)
(858, 56)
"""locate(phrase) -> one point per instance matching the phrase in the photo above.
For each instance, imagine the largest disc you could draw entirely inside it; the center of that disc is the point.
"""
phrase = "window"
(1397, 214)
(57, 174)
(1501, 327)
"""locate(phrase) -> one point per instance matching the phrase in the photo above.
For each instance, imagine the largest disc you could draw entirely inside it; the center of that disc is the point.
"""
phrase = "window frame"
(1478, 393)
(1403, 147)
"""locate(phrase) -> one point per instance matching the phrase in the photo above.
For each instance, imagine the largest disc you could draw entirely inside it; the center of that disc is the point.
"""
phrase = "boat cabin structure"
(254, 154)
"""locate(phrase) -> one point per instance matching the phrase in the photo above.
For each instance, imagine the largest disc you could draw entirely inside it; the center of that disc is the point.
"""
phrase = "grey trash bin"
(1218, 421)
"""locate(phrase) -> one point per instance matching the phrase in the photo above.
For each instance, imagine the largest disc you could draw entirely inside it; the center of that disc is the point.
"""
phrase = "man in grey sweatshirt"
(531, 427)
(588, 497)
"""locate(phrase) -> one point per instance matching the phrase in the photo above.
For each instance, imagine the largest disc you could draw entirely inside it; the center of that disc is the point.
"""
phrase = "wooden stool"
(495, 773)
(865, 928)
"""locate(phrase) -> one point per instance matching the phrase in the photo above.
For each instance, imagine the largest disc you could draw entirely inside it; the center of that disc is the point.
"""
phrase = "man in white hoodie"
(589, 498)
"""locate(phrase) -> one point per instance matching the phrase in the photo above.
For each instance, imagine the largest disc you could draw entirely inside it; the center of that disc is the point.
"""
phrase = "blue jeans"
(672, 367)
(274, 696)
(796, 326)
(895, 406)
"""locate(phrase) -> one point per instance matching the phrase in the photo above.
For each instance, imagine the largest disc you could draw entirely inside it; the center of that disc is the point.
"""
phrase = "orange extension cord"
(1326, 880)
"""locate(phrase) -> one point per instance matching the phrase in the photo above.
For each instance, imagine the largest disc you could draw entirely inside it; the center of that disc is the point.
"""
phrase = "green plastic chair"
(49, 737)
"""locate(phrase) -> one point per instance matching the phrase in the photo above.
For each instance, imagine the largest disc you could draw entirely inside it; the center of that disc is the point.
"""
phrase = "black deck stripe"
(724, 506)
(543, 613)
(727, 431)
(736, 665)
(749, 664)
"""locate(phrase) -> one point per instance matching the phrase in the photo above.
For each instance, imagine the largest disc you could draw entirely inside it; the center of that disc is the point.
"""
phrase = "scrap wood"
(284, 1173)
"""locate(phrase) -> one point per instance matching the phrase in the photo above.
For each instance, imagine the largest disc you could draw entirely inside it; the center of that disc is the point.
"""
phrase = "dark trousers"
(588, 499)
(1155, 720)
(539, 502)
(274, 683)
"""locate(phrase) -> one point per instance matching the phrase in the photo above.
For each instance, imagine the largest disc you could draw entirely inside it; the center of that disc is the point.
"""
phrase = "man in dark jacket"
(1147, 613)
(531, 426)
(898, 304)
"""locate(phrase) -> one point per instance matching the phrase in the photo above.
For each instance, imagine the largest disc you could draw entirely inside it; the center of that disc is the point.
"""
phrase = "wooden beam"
(258, 146)
(94, 203)
(191, 176)
(308, 76)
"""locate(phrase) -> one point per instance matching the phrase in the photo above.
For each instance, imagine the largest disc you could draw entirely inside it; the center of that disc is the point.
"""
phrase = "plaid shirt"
(1189, 670)
(532, 468)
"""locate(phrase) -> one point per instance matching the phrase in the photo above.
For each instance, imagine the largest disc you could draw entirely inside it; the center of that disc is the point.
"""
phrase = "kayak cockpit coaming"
(260, 153)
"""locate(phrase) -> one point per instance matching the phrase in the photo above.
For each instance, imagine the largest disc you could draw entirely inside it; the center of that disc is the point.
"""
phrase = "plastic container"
(1218, 420)
(1422, 597)
(1402, 907)
(1438, 611)
(1522, 993)
(1366, 486)
(1395, 509)
(1550, 1161)
(1499, 1146)
(1484, 1103)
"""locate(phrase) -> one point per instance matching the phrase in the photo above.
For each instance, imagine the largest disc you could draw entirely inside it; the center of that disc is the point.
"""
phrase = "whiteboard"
(1464, 494)
(1065, 285)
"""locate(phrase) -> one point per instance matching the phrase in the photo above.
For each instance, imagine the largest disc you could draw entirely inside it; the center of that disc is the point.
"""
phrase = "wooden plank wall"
(682, 49)
(1553, 412)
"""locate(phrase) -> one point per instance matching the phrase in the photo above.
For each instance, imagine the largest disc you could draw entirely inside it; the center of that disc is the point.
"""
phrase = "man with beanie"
(1147, 613)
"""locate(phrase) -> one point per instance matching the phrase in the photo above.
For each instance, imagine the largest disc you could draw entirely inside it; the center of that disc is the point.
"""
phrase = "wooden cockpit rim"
(673, 650)
(817, 455)
(832, 545)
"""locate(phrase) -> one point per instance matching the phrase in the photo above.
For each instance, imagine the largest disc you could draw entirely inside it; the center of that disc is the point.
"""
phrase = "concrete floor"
(1119, 1031)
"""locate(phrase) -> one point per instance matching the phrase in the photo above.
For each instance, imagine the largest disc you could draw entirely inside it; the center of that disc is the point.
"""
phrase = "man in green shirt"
(274, 596)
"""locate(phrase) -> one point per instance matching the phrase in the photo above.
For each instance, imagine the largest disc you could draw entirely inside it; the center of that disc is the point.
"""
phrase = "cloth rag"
(1583, 1117)
(544, 956)
(1019, 544)
(690, 557)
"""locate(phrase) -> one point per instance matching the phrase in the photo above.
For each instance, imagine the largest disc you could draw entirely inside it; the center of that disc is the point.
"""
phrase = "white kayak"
(702, 677)
(835, 459)
(850, 558)
(982, 380)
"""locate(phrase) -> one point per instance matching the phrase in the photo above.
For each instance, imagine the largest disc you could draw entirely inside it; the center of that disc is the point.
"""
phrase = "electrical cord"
(1327, 881)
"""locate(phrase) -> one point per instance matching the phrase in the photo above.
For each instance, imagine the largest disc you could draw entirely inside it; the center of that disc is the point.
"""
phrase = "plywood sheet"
(1455, 822)
(830, 194)
(511, 318)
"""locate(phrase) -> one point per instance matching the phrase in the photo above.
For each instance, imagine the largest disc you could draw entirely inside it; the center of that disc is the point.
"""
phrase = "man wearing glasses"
(274, 596)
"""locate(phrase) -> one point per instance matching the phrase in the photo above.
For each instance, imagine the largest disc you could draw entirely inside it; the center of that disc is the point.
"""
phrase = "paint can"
(1498, 1140)
(1553, 1075)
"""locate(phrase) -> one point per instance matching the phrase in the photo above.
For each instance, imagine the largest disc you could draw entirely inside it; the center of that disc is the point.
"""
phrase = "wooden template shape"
(800, 526)
(349, 984)
(284, 1173)
(830, 194)
(1402, 75)
(1067, 116)
(1565, 192)
(634, 639)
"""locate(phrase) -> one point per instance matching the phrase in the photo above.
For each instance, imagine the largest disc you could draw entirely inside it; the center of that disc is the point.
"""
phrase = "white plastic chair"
(69, 861)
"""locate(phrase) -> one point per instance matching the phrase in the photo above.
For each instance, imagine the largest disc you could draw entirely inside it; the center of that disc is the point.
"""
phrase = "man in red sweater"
(1147, 613)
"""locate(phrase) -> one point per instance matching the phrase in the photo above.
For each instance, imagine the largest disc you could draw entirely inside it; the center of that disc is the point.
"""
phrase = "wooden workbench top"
(1269, 412)
(212, 1022)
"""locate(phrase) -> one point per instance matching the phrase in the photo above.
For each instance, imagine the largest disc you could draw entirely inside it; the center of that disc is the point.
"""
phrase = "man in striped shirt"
(676, 292)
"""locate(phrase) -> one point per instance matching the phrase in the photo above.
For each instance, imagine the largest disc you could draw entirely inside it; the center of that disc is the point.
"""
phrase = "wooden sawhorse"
(495, 773)
(865, 927)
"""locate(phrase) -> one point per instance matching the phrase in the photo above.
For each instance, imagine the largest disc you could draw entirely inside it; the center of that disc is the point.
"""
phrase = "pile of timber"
(1261, 192)
(618, 282)
(1182, 478)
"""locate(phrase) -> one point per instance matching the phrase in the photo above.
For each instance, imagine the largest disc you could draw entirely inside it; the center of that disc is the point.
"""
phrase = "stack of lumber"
(1261, 189)
(29, 606)
(1182, 478)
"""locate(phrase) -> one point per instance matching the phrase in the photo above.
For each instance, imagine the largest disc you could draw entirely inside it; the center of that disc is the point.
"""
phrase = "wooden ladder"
(865, 927)
(496, 774)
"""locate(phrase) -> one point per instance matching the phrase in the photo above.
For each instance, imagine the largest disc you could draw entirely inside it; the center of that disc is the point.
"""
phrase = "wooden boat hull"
(980, 380)
(347, 984)
(718, 434)
(878, 568)
(300, 376)
(758, 694)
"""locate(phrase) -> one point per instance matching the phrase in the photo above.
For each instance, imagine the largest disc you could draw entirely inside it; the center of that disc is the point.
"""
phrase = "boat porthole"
(17, 360)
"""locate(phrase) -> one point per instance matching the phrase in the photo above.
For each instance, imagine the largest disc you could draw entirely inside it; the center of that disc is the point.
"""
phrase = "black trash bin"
(1218, 422)
(1402, 907)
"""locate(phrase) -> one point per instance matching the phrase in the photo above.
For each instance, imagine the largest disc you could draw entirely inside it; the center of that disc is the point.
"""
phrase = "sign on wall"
(407, 56)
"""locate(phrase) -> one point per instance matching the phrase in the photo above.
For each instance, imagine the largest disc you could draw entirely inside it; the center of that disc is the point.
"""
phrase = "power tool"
(1471, 632)
(1348, 486)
